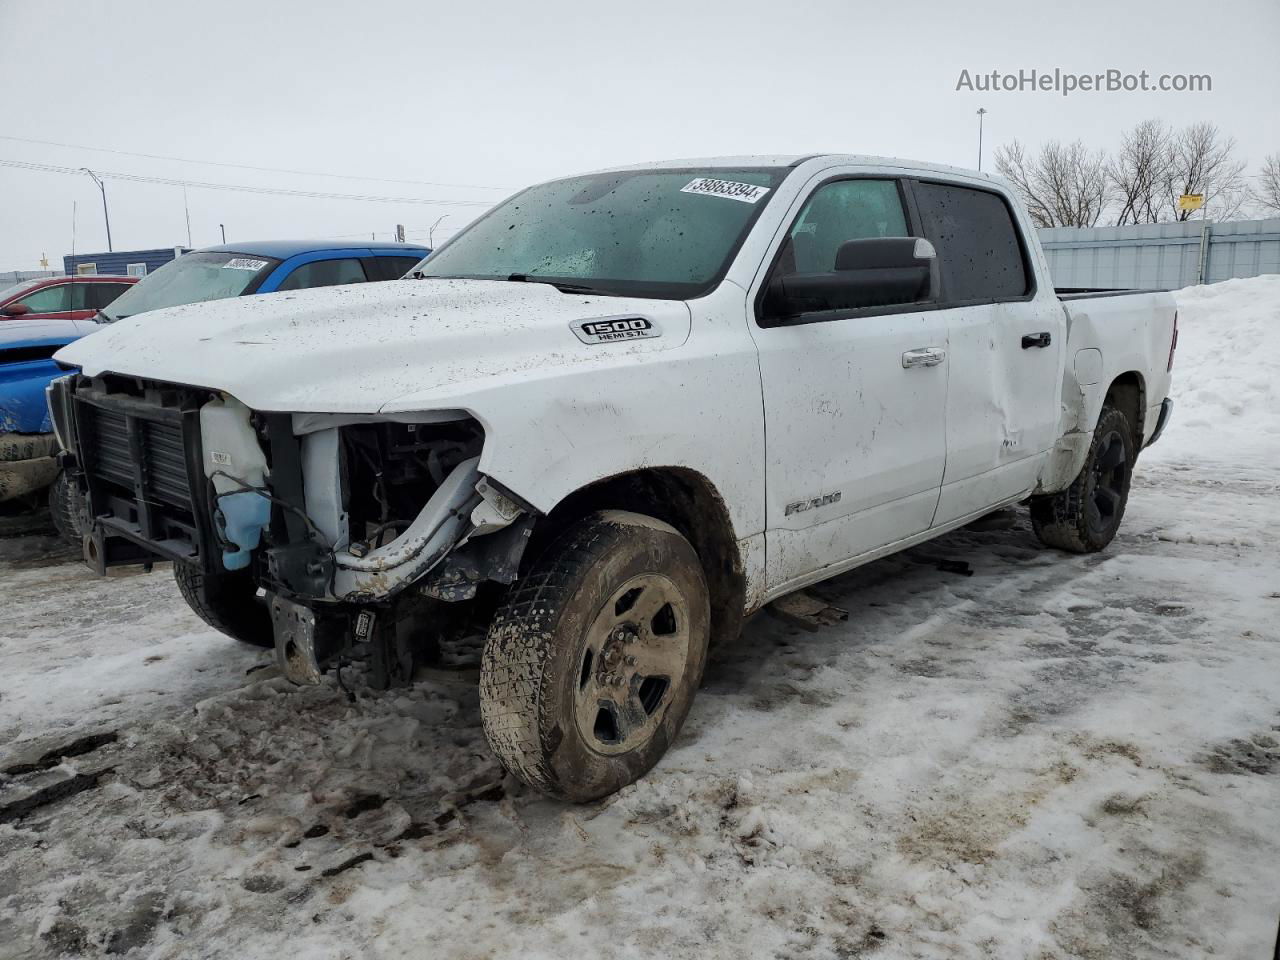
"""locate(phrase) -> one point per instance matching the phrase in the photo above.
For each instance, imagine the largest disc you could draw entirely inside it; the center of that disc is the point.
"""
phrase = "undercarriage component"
(391, 639)
(493, 557)
(305, 639)
(387, 570)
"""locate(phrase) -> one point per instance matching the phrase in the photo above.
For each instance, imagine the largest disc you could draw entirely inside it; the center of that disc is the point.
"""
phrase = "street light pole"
(981, 113)
(431, 234)
(105, 216)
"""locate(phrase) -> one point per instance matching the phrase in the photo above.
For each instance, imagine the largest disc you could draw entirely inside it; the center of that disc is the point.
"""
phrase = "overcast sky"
(502, 94)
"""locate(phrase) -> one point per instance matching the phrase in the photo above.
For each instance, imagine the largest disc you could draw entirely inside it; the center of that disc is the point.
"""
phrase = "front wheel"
(592, 661)
(65, 510)
(1085, 517)
(228, 602)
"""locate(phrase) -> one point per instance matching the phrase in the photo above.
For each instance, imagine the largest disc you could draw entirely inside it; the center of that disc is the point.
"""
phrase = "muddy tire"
(1085, 517)
(228, 602)
(64, 511)
(593, 659)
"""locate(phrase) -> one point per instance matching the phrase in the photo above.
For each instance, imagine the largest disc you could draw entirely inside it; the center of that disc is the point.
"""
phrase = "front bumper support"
(296, 628)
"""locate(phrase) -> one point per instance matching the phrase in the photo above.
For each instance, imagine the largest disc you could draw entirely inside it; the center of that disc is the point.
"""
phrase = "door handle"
(923, 357)
(1036, 340)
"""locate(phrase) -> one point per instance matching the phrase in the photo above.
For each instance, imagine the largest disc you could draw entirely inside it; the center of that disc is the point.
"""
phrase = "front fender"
(549, 436)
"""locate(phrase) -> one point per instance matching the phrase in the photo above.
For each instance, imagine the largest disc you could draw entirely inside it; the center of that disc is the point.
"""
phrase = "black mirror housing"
(873, 272)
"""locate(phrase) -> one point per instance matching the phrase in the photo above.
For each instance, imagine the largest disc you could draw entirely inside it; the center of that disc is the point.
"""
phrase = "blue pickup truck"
(27, 447)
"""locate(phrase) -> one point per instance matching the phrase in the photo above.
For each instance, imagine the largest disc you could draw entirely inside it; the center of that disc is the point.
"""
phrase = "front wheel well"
(686, 500)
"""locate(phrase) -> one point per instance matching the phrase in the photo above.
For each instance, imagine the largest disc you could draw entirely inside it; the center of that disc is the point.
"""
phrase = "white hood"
(354, 349)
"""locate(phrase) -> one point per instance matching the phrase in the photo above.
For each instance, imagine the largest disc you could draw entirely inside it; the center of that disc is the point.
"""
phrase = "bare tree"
(1064, 186)
(1140, 172)
(1267, 191)
(1201, 160)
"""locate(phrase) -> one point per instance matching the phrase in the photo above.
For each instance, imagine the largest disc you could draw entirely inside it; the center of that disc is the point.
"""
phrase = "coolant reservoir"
(234, 461)
(230, 446)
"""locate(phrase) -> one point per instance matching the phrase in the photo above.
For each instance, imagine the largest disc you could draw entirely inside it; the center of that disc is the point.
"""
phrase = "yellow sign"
(1191, 201)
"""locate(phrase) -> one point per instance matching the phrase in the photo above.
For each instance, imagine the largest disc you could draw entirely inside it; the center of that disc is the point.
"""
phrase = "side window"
(99, 295)
(837, 212)
(394, 268)
(324, 273)
(979, 256)
(49, 299)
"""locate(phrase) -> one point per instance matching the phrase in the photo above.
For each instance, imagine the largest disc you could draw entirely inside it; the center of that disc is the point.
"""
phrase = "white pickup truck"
(613, 416)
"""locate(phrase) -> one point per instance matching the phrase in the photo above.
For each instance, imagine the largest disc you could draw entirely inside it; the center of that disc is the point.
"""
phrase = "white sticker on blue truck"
(244, 263)
(729, 189)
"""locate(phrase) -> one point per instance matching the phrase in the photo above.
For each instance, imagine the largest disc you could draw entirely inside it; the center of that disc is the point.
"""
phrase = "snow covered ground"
(1056, 757)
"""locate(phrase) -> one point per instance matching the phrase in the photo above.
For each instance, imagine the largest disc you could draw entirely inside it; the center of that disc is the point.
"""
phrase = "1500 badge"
(608, 329)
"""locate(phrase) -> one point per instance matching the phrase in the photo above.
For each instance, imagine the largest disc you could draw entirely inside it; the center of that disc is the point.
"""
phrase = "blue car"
(241, 269)
(27, 453)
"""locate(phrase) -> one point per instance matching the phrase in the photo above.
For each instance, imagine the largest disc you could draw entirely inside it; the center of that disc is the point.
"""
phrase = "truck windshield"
(192, 278)
(666, 233)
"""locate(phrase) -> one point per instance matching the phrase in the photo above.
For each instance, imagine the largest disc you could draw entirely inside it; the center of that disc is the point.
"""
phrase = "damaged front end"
(365, 535)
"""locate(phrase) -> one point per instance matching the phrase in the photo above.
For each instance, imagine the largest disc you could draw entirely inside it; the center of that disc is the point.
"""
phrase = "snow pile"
(1226, 374)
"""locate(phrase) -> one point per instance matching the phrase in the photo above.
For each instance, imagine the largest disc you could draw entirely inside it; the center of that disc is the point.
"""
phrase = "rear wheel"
(593, 660)
(228, 602)
(1084, 517)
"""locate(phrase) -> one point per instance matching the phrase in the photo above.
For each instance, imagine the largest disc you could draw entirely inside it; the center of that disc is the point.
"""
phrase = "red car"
(61, 298)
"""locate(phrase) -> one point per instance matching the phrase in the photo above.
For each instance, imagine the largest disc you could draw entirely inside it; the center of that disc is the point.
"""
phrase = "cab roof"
(795, 160)
(283, 249)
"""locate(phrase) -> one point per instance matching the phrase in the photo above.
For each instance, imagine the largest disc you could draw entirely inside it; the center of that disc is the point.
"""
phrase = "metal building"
(127, 263)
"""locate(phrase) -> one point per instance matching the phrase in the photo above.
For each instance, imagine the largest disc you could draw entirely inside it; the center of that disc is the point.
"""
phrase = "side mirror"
(876, 272)
(15, 310)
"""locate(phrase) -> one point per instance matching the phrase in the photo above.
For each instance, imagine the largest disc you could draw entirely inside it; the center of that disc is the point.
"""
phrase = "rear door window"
(324, 273)
(95, 296)
(102, 294)
(979, 251)
(394, 268)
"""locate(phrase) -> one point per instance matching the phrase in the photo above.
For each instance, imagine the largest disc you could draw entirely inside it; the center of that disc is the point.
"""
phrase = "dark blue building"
(136, 263)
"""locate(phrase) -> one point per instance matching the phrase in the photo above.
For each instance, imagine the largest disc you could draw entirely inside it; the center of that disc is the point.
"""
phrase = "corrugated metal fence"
(1161, 256)
(10, 277)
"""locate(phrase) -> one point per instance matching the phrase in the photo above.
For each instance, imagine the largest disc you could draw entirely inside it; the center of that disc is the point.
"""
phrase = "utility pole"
(105, 216)
(187, 210)
(982, 111)
(223, 228)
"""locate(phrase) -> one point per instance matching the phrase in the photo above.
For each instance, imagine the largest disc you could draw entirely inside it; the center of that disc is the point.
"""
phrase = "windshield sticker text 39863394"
(729, 189)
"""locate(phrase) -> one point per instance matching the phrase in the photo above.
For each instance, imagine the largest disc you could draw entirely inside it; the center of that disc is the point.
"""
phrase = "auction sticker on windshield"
(244, 263)
(731, 189)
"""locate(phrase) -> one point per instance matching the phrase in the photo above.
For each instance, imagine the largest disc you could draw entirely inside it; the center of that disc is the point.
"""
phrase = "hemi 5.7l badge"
(609, 329)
